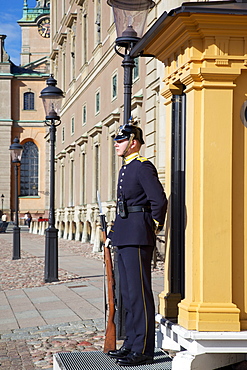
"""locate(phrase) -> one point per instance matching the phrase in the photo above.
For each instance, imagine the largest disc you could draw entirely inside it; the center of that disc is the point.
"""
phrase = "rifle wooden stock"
(110, 334)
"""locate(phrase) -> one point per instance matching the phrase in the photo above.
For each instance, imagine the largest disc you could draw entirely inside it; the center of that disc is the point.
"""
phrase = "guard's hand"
(108, 243)
(157, 227)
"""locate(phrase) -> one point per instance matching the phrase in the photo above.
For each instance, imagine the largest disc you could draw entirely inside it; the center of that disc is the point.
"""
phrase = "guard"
(141, 209)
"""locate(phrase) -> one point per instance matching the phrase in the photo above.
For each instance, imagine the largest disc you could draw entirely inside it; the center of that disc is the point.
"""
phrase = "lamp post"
(130, 18)
(52, 100)
(2, 198)
(16, 152)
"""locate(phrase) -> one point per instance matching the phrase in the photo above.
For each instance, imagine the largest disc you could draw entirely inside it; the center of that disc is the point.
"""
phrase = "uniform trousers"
(134, 264)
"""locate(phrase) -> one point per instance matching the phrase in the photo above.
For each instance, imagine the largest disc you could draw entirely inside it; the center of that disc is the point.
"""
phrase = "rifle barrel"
(110, 334)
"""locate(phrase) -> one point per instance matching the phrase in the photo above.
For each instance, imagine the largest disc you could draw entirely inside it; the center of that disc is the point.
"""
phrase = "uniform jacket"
(138, 185)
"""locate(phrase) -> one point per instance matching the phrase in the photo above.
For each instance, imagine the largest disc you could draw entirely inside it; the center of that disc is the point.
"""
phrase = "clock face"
(44, 27)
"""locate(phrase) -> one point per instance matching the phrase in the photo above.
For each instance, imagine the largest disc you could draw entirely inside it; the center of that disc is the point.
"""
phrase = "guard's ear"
(135, 144)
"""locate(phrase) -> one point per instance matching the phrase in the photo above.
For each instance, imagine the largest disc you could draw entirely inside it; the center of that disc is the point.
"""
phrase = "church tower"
(35, 26)
(22, 114)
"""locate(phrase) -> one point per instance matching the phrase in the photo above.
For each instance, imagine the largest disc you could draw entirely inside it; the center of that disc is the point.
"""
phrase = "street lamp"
(52, 99)
(16, 152)
(2, 197)
(130, 18)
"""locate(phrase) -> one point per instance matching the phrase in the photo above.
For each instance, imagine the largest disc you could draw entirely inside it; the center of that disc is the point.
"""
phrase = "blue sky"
(10, 13)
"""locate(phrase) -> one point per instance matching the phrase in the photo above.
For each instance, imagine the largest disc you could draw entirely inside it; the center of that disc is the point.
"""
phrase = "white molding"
(194, 347)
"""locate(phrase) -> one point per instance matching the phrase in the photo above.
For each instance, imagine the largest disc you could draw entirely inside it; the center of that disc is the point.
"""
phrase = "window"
(63, 135)
(64, 71)
(96, 170)
(29, 170)
(97, 102)
(83, 173)
(98, 21)
(84, 38)
(62, 186)
(71, 183)
(72, 126)
(136, 69)
(73, 57)
(28, 101)
(84, 114)
(113, 170)
(114, 86)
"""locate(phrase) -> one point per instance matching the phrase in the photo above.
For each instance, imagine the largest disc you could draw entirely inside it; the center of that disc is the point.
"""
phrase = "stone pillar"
(70, 236)
(97, 239)
(66, 230)
(43, 226)
(93, 232)
(84, 238)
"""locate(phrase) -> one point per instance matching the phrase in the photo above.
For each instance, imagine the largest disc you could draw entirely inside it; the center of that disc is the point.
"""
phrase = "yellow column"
(239, 234)
(208, 302)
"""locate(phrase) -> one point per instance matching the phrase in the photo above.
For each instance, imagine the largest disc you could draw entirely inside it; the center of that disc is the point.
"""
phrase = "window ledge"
(30, 196)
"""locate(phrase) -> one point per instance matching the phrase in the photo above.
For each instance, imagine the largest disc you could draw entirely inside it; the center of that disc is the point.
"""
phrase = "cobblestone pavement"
(29, 270)
(33, 348)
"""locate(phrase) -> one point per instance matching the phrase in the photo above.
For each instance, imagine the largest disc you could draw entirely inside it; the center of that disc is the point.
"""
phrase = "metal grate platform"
(100, 361)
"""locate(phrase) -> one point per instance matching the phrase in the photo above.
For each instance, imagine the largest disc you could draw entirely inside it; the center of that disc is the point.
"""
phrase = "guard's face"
(120, 146)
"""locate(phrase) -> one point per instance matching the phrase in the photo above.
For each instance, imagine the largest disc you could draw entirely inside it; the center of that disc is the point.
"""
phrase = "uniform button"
(120, 187)
(124, 167)
(121, 180)
(123, 174)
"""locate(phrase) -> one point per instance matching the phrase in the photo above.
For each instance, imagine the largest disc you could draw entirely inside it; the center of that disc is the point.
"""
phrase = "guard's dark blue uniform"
(134, 235)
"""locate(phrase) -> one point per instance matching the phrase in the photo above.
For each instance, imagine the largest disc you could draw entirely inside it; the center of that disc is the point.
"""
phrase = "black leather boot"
(135, 359)
(119, 353)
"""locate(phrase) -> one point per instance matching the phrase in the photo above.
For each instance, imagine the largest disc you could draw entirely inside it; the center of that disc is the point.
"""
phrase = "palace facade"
(89, 71)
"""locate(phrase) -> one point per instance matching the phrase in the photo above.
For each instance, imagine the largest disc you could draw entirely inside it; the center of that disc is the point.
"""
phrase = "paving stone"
(28, 329)
(52, 333)
(32, 347)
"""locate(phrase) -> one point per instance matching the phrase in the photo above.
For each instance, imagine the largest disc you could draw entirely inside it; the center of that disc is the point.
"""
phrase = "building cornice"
(60, 38)
(112, 118)
(136, 100)
(54, 54)
(70, 19)
(27, 123)
(97, 129)
(159, 28)
(61, 154)
(70, 148)
(31, 15)
(82, 139)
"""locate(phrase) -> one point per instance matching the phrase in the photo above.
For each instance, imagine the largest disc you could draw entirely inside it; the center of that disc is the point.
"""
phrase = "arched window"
(29, 169)
(28, 101)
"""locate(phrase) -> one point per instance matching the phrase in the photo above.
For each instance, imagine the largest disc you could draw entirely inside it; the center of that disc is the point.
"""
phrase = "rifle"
(110, 333)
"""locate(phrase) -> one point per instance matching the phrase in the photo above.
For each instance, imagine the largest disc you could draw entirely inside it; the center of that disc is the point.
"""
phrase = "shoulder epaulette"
(142, 159)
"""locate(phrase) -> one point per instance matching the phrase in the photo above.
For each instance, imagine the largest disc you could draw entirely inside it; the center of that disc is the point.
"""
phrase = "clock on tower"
(44, 27)
(35, 26)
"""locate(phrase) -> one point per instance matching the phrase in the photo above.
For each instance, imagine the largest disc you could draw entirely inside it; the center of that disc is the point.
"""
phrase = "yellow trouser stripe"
(144, 301)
